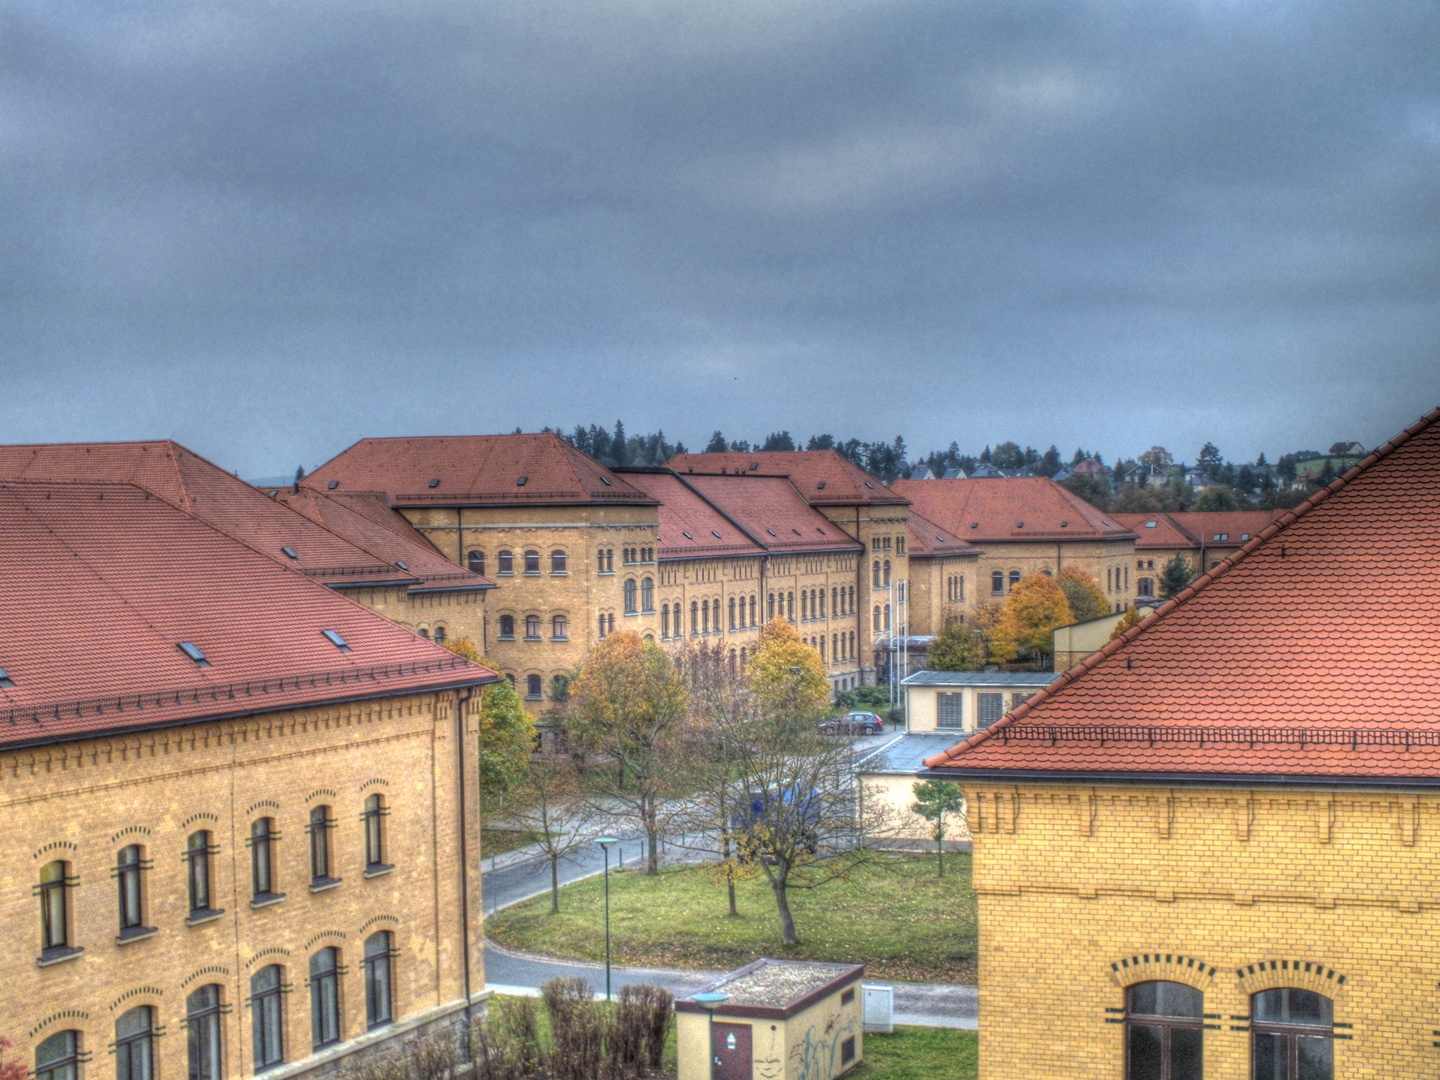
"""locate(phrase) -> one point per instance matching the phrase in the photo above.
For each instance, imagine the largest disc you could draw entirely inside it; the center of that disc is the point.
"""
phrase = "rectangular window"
(202, 1022)
(950, 710)
(324, 998)
(262, 857)
(320, 825)
(375, 812)
(991, 707)
(266, 1023)
(127, 874)
(198, 854)
(377, 979)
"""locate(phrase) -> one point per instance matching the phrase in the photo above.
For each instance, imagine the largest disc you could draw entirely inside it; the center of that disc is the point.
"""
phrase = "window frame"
(532, 562)
(379, 980)
(997, 583)
(263, 835)
(204, 1035)
(559, 563)
(267, 1018)
(64, 1067)
(559, 628)
(631, 590)
(647, 595)
(141, 1042)
(325, 1022)
(475, 561)
(1167, 1023)
(984, 703)
(504, 563)
(950, 707)
(199, 874)
(1290, 1032)
(376, 810)
(534, 688)
(322, 853)
(532, 627)
(503, 634)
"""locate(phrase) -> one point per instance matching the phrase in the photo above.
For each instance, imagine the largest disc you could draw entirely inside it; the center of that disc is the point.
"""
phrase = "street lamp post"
(606, 843)
(710, 1002)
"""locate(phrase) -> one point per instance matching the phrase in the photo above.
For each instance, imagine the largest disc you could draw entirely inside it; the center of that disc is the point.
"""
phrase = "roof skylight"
(606, 481)
(520, 481)
(336, 640)
(5, 679)
(189, 649)
(274, 493)
(770, 531)
(869, 485)
(435, 483)
(333, 485)
(820, 486)
(1151, 524)
(289, 553)
(401, 563)
(754, 465)
(687, 536)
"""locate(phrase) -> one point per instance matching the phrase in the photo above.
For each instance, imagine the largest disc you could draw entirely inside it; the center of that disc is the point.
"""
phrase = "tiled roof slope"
(1191, 528)
(773, 512)
(367, 520)
(1311, 654)
(929, 540)
(99, 583)
(824, 477)
(196, 486)
(1009, 509)
(470, 470)
(688, 522)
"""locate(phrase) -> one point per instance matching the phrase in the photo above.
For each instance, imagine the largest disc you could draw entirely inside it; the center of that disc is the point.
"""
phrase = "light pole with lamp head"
(710, 1002)
(606, 843)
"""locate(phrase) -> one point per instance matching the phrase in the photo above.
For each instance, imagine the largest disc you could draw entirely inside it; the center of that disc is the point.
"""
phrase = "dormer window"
(289, 553)
(189, 649)
(336, 640)
(5, 679)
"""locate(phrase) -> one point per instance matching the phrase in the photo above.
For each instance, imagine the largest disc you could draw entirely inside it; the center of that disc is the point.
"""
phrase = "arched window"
(602, 627)
(694, 618)
(804, 605)
(560, 628)
(439, 635)
(705, 616)
(507, 627)
(790, 605)
(129, 869)
(505, 562)
(962, 587)
(743, 657)
(851, 654)
(610, 623)
(425, 633)
(378, 952)
(476, 561)
(1146, 587)
(1014, 578)
(664, 621)
(375, 813)
(532, 561)
(732, 661)
(266, 1022)
(321, 822)
(600, 561)
(997, 582)
(557, 562)
(834, 647)
(876, 618)
(730, 608)
(135, 1044)
(753, 620)
(822, 603)
(887, 617)
(609, 560)
(532, 686)
(58, 1057)
(875, 574)
(1163, 1032)
(325, 998)
(202, 1032)
(647, 594)
(197, 854)
(770, 614)
(630, 608)
(885, 577)
(262, 857)
(835, 600)
(532, 627)
(1292, 1035)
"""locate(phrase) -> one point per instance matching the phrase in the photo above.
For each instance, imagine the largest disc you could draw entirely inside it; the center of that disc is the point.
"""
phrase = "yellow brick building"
(1207, 851)
(237, 835)
(944, 574)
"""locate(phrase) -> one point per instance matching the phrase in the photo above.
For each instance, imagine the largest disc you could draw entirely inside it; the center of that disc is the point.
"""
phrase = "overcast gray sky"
(269, 229)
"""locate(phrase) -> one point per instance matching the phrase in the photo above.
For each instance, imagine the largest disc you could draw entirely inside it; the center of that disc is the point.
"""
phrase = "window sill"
(534, 697)
(559, 639)
(529, 638)
(647, 611)
(504, 573)
(531, 573)
(378, 870)
(559, 573)
(204, 915)
(631, 614)
(266, 899)
(59, 955)
(605, 573)
(324, 884)
(135, 933)
(506, 637)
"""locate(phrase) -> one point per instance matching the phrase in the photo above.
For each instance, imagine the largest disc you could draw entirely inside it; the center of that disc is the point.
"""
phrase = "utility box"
(879, 1009)
(782, 1020)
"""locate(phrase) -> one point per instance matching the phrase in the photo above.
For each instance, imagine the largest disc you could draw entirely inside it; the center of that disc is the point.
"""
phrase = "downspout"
(460, 703)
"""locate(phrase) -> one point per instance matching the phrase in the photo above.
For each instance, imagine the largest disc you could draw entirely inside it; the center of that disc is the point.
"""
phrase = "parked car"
(853, 723)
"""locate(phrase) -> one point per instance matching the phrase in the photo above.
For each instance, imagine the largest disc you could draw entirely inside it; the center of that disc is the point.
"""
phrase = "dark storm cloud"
(270, 229)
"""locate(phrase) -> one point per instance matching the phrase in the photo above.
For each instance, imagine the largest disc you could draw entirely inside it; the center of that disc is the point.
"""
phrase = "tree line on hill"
(1161, 484)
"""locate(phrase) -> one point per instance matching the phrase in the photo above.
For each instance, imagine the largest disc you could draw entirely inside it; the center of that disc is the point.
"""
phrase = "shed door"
(732, 1051)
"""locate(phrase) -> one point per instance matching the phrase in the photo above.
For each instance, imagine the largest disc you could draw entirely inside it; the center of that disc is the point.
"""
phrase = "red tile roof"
(688, 521)
(367, 520)
(1312, 654)
(1190, 529)
(466, 470)
(1009, 509)
(772, 512)
(928, 540)
(198, 487)
(99, 583)
(824, 477)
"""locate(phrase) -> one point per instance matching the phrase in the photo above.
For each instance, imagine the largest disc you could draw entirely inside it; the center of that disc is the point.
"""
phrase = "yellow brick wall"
(83, 801)
(1095, 557)
(1085, 890)
(931, 605)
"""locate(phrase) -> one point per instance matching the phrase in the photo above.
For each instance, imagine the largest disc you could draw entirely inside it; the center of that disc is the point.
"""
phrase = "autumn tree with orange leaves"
(1035, 607)
(629, 705)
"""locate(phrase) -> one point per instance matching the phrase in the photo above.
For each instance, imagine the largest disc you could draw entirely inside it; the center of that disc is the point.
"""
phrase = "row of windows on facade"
(505, 562)
(61, 1056)
(57, 882)
(882, 543)
(955, 587)
(880, 574)
(1291, 1033)
(744, 613)
(989, 707)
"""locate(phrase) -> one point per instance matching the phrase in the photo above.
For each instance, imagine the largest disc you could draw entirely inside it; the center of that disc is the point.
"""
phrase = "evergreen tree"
(1327, 474)
(1245, 480)
(821, 442)
(618, 445)
(1007, 455)
(985, 456)
(1210, 462)
(1176, 576)
(299, 474)
(1050, 463)
(1079, 456)
(717, 443)
(778, 440)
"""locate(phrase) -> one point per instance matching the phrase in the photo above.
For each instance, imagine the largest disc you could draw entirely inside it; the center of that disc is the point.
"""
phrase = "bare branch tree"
(557, 811)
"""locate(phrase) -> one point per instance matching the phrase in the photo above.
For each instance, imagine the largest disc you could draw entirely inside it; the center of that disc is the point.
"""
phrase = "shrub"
(577, 1029)
(643, 1022)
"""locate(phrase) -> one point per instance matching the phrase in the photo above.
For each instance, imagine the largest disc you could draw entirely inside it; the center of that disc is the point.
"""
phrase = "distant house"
(956, 473)
(1088, 467)
(1347, 449)
(987, 471)
(1198, 478)
(1146, 476)
(923, 472)
(1064, 474)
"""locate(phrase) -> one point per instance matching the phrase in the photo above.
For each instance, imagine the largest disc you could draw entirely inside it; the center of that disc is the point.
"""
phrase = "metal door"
(732, 1052)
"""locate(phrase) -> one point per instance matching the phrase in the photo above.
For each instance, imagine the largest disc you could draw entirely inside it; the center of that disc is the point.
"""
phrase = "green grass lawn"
(897, 917)
(917, 1053)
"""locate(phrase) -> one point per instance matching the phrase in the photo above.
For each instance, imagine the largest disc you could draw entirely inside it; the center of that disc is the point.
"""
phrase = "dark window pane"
(1143, 1052)
(1269, 1057)
(1177, 999)
(1315, 1055)
(1186, 1053)
(1268, 1006)
(1143, 998)
(1308, 1007)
